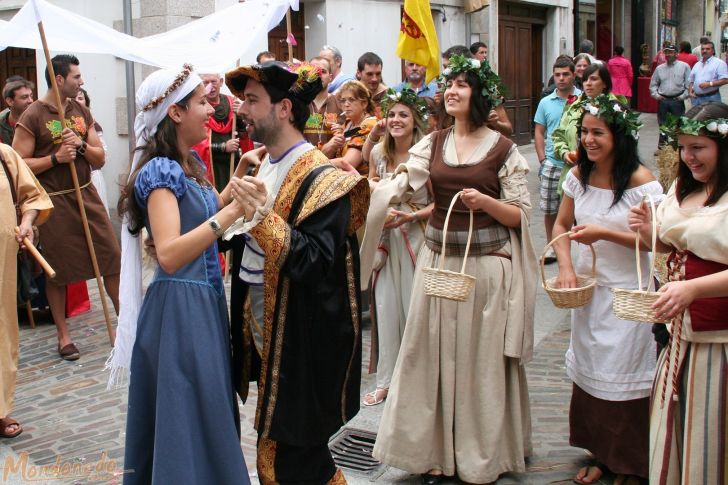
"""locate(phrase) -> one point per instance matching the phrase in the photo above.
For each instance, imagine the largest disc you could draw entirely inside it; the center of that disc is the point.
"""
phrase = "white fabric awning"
(213, 43)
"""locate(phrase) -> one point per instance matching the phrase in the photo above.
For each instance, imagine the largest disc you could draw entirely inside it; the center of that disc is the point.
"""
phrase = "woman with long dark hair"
(610, 361)
(689, 417)
(458, 400)
(182, 423)
(595, 81)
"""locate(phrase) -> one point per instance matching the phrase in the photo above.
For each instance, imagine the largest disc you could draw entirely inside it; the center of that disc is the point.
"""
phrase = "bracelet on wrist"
(54, 160)
(81, 149)
(372, 140)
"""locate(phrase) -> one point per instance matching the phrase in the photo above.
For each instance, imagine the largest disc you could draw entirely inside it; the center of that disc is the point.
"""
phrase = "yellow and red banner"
(418, 39)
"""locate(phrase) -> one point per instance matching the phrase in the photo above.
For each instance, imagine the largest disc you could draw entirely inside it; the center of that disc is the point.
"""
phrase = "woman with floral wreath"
(458, 401)
(689, 410)
(610, 361)
(405, 118)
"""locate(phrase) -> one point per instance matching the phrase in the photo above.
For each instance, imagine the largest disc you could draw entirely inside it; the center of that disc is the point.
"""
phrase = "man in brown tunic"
(48, 146)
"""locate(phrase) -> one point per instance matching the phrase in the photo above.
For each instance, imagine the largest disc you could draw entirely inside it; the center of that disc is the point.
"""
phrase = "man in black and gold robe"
(300, 270)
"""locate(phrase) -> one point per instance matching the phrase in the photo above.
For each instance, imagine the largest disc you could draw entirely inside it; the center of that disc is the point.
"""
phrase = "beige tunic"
(30, 196)
(458, 401)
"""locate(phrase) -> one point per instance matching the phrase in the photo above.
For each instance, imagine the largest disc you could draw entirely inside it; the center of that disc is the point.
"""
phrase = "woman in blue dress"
(183, 422)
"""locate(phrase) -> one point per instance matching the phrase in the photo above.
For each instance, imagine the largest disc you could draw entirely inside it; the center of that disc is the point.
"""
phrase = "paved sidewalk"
(71, 420)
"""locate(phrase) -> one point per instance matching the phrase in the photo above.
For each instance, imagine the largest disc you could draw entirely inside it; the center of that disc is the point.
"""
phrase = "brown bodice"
(448, 180)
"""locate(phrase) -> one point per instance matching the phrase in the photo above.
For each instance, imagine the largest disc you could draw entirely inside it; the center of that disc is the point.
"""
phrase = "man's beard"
(265, 131)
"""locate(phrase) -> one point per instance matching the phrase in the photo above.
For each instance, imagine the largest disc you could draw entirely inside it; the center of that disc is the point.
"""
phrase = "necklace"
(273, 161)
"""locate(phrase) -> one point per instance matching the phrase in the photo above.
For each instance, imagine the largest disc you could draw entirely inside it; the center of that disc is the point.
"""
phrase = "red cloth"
(620, 69)
(645, 102)
(706, 314)
(203, 148)
(687, 58)
(77, 300)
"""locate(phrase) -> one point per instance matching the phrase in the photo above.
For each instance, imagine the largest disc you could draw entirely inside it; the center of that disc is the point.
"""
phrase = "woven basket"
(442, 283)
(569, 297)
(635, 304)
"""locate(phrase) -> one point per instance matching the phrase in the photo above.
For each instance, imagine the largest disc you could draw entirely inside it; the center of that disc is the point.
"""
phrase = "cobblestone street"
(70, 418)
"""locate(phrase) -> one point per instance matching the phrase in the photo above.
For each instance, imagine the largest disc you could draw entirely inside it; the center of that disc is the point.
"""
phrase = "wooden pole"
(229, 253)
(77, 188)
(288, 36)
(38, 257)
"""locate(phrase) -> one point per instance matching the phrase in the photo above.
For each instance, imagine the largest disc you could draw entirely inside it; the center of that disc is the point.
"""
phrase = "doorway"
(21, 62)
(520, 61)
(277, 37)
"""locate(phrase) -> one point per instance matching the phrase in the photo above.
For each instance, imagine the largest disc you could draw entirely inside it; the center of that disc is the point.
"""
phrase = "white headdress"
(157, 93)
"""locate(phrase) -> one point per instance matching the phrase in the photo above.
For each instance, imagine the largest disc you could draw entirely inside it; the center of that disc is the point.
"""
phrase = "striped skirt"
(689, 416)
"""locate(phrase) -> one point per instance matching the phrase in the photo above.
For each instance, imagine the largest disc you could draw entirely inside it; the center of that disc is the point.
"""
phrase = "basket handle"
(545, 250)
(653, 219)
(441, 263)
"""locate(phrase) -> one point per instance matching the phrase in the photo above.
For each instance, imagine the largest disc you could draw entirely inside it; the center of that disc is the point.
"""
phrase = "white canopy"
(213, 43)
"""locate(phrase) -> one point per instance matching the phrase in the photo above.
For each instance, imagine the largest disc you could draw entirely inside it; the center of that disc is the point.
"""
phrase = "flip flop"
(372, 399)
(8, 421)
(588, 471)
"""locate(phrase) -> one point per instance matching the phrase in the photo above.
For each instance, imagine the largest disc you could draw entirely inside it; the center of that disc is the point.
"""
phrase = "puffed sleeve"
(31, 195)
(159, 173)
(572, 185)
(512, 177)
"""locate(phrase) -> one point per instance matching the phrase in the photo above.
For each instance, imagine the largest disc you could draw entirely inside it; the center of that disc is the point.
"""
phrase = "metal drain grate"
(352, 449)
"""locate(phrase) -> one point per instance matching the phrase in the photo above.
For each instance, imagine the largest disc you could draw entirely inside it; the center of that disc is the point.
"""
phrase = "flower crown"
(181, 78)
(612, 112)
(682, 125)
(406, 97)
(492, 85)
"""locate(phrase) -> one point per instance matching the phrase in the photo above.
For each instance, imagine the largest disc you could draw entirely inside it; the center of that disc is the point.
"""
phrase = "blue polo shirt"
(339, 80)
(427, 90)
(548, 114)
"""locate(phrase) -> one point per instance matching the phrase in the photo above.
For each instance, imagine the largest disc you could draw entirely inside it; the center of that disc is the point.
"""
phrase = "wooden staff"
(229, 253)
(288, 36)
(38, 257)
(77, 187)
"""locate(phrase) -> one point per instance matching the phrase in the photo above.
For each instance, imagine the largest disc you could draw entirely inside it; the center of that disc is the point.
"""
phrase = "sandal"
(5, 423)
(375, 397)
(590, 474)
(69, 352)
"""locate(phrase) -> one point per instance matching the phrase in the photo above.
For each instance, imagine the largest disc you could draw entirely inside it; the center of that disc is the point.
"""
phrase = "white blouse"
(616, 266)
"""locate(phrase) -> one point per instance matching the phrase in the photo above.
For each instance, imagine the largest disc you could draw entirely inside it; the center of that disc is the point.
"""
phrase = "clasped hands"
(249, 193)
(71, 142)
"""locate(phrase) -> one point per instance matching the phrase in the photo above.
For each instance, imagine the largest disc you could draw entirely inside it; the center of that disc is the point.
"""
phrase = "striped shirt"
(670, 80)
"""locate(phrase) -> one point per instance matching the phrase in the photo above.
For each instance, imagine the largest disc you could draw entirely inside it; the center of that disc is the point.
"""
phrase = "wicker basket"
(442, 283)
(636, 304)
(569, 297)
